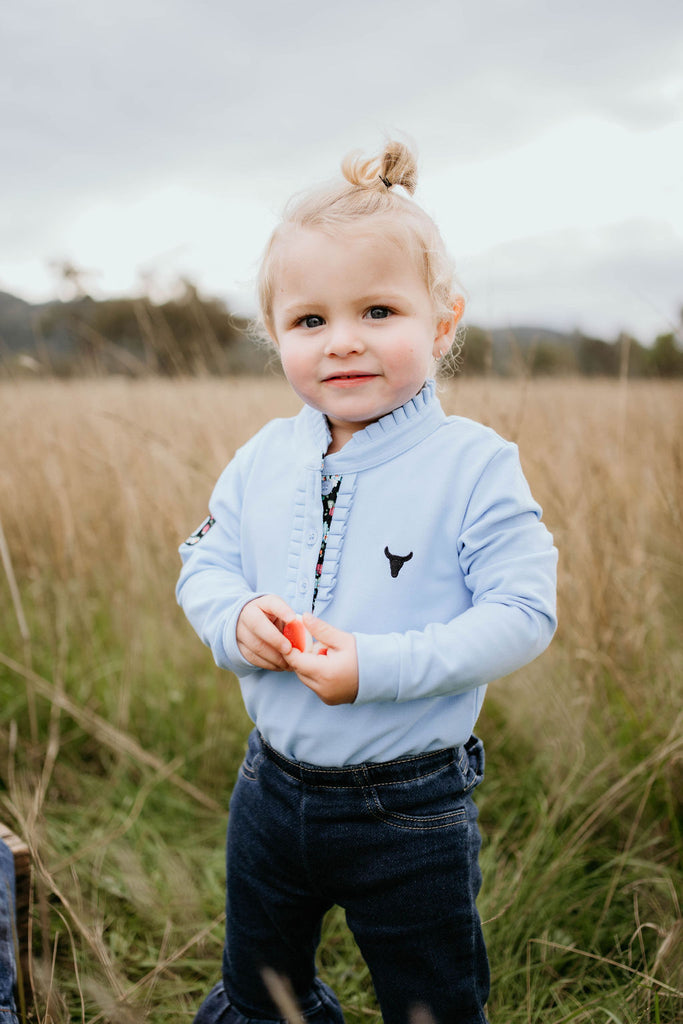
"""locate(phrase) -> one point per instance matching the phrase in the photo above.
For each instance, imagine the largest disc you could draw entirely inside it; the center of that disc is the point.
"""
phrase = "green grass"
(120, 740)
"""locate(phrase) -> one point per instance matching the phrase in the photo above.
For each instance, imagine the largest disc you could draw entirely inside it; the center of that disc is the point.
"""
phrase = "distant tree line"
(193, 335)
(536, 353)
(187, 335)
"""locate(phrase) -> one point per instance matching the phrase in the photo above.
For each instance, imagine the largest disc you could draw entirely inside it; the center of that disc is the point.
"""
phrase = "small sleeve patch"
(202, 531)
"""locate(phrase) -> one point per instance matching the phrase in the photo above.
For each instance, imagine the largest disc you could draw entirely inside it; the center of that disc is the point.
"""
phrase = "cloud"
(112, 92)
(604, 280)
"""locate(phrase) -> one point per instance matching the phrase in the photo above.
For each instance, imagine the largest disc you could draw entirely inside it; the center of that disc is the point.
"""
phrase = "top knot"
(396, 165)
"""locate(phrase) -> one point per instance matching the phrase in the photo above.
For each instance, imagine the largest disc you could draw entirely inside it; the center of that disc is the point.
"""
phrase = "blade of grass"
(108, 734)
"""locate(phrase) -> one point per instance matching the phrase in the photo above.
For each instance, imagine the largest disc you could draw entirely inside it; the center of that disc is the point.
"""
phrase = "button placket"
(310, 541)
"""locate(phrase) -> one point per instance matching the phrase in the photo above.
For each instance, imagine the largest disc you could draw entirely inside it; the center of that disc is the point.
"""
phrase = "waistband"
(377, 773)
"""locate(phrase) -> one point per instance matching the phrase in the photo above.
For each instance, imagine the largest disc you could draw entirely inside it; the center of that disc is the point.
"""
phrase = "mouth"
(346, 379)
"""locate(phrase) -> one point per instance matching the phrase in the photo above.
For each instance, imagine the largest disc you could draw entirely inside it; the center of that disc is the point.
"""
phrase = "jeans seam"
(418, 778)
(412, 823)
(362, 769)
(460, 758)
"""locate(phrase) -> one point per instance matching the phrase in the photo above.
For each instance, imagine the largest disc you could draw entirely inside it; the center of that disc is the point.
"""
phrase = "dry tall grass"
(100, 675)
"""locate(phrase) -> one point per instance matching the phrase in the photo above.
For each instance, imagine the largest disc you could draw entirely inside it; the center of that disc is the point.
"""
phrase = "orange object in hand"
(299, 637)
(297, 634)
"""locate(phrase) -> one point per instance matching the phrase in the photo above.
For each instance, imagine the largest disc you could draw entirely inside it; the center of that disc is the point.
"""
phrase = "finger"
(271, 635)
(305, 664)
(264, 617)
(276, 608)
(273, 663)
(263, 630)
(261, 648)
(328, 635)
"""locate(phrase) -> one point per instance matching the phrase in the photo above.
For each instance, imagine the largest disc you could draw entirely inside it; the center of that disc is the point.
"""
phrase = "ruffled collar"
(379, 441)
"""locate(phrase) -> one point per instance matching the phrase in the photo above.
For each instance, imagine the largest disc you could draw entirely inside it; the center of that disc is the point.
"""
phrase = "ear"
(458, 310)
(445, 331)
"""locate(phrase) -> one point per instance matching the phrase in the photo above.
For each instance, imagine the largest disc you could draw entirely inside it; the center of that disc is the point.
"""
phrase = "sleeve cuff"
(233, 656)
(378, 667)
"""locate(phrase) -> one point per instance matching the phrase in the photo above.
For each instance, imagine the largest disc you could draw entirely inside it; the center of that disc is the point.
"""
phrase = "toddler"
(409, 544)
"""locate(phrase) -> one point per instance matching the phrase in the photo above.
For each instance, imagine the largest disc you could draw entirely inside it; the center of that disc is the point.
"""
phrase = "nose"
(344, 339)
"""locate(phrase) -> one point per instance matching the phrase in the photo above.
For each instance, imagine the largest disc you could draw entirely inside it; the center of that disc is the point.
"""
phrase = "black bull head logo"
(396, 562)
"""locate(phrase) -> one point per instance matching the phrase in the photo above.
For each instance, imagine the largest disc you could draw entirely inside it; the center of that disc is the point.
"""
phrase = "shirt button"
(303, 586)
(310, 538)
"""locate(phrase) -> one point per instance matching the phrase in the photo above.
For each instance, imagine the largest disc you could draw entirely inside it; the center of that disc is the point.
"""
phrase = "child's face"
(355, 325)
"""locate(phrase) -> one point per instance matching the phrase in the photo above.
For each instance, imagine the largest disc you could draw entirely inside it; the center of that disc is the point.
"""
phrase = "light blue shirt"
(437, 561)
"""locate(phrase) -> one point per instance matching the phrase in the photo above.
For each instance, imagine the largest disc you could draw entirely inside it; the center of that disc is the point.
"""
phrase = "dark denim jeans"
(395, 844)
(8, 966)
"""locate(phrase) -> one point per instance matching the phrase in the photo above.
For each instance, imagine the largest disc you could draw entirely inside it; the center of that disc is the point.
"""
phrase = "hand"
(334, 676)
(259, 632)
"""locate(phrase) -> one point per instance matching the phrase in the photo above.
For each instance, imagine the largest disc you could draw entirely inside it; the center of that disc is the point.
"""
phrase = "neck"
(340, 435)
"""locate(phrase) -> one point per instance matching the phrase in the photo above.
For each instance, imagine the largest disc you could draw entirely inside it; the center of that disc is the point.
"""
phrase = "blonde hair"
(377, 195)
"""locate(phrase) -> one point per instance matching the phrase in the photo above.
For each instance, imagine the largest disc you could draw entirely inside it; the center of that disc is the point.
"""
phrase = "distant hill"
(512, 346)
(18, 323)
(194, 334)
(127, 335)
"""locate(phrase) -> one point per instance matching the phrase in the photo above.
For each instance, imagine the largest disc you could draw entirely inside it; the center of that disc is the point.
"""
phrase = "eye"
(310, 321)
(378, 313)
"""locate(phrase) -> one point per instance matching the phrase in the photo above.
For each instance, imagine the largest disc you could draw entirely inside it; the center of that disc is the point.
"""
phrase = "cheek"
(296, 363)
(409, 356)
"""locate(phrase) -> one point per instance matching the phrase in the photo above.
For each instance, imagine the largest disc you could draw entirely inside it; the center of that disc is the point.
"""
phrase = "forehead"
(311, 260)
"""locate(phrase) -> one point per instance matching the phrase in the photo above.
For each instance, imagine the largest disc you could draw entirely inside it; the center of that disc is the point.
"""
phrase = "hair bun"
(396, 165)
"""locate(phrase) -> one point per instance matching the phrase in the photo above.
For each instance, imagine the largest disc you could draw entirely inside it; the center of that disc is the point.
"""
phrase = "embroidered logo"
(396, 562)
(195, 537)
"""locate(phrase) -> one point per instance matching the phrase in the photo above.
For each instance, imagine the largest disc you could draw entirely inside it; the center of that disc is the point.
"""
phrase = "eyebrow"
(377, 298)
(299, 304)
(299, 309)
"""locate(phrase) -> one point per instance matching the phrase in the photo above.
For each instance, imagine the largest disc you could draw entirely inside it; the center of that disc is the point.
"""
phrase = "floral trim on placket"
(330, 490)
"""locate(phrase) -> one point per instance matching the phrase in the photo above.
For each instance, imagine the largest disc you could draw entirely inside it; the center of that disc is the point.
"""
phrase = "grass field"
(119, 738)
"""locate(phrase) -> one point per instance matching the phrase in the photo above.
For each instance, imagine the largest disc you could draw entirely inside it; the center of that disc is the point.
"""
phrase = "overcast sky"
(148, 140)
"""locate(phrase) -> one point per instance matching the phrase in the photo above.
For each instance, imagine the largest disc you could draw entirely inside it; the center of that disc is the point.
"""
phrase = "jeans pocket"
(431, 802)
(250, 767)
(252, 759)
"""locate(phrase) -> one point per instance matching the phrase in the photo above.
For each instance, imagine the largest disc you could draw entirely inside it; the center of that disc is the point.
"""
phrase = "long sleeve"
(508, 563)
(212, 589)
